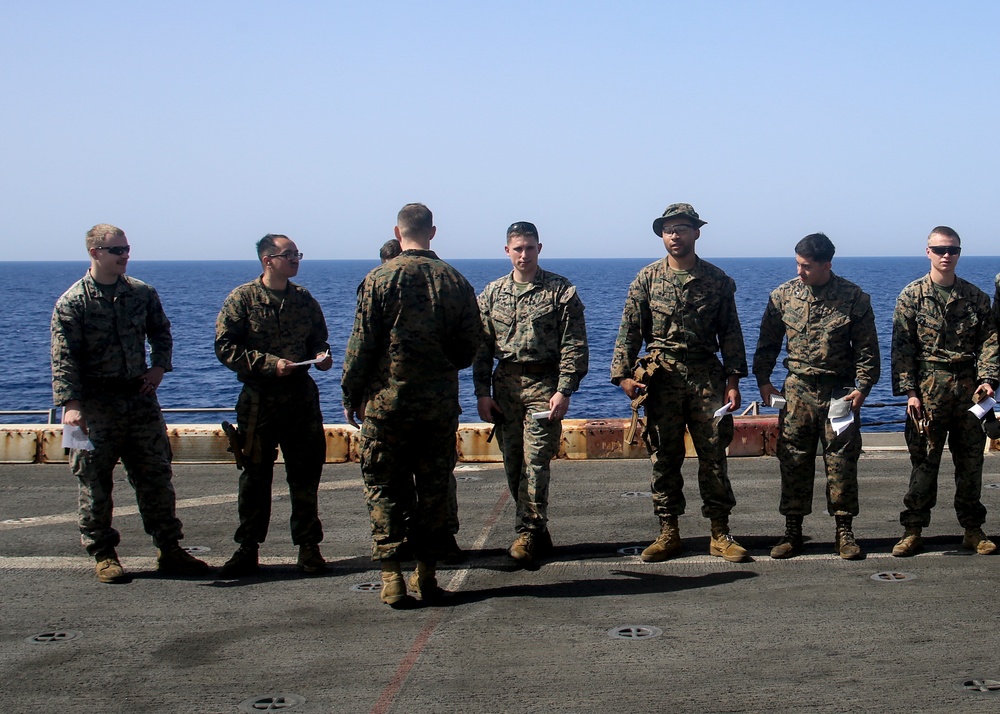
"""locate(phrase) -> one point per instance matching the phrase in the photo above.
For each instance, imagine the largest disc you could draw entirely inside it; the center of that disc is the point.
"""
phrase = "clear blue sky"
(199, 126)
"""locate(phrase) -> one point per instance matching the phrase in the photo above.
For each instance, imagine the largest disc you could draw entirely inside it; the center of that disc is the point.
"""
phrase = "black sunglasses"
(116, 249)
(945, 249)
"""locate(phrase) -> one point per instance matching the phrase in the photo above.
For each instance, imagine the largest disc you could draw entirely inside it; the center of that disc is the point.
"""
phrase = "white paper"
(778, 402)
(840, 424)
(727, 409)
(541, 415)
(74, 438)
(984, 406)
(309, 361)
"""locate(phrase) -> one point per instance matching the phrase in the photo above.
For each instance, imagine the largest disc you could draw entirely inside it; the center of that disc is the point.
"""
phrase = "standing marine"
(265, 329)
(106, 387)
(416, 325)
(944, 354)
(684, 309)
(534, 329)
(833, 356)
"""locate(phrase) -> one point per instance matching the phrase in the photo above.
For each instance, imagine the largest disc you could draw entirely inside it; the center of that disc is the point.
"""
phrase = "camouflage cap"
(678, 209)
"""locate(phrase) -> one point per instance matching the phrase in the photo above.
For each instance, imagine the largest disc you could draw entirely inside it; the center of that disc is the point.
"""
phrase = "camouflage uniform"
(416, 325)
(254, 329)
(683, 325)
(832, 345)
(944, 351)
(539, 336)
(99, 357)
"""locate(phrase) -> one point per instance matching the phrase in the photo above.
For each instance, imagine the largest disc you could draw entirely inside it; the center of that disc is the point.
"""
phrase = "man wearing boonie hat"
(684, 310)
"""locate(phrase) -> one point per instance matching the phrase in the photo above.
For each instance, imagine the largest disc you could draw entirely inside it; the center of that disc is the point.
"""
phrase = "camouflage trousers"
(688, 395)
(946, 398)
(527, 444)
(408, 468)
(289, 418)
(804, 423)
(130, 428)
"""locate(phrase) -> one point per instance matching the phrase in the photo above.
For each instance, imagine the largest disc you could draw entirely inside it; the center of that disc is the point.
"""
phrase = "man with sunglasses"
(944, 356)
(684, 309)
(833, 361)
(533, 327)
(100, 376)
(270, 331)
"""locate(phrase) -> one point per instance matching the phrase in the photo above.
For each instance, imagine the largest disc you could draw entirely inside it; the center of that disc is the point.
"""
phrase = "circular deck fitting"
(634, 632)
(48, 638)
(366, 587)
(271, 703)
(196, 549)
(631, 550)
(979, 686)
(888, 576)
(468, 478)
(636, 494)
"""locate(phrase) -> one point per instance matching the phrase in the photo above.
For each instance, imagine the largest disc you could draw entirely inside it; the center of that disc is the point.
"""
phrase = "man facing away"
(833, 356)
(264, 328)
(533, 325)
(684, 309)
(944, 351)
(417, 324)
(100, 327)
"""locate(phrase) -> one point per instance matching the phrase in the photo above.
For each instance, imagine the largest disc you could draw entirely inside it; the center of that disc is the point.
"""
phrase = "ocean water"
(193, 291)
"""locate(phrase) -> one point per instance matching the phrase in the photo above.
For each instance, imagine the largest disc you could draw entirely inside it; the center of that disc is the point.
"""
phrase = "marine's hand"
(985, 390)
(151, 380)
(284, 368)
(353, 415)
(558, 406)
(488, 409)
(766, 392)
(327, 362)
(856, 398)
(73, 416)
(733, 395)
(914, 407)
(631, 388)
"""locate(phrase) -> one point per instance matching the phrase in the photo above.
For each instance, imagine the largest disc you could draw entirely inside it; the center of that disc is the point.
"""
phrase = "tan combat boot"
(909, 544)
(847, 547)
(108, 568)
(976, 540)
(724, 545)
(424, 582)
(790, 544)
(310, 559)
(667, 545)
(393, 586)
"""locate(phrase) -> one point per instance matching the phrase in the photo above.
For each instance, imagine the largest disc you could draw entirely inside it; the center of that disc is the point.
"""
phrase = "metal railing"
(52, 415)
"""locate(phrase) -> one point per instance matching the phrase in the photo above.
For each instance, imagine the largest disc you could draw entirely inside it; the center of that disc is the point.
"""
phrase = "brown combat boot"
(393, 586)
(667, 545)
(310, 560)
(174, 560)
(847, 547)
(424, 582)
(724, 545)
(976, 540)
(108, 568)
(790, 544)
(909, 544)
(244, 562)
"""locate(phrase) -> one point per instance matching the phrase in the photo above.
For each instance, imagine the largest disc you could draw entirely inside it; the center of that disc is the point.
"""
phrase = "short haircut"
(267, 244)
(99, 234)
(944, 232)
(522, 228)
(415, 219)
(816, 247)
(389, 250)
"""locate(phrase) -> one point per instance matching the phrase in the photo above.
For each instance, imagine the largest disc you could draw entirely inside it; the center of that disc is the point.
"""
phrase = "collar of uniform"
(958, 289)
(267, 293)
(94, 290)
(510, 282)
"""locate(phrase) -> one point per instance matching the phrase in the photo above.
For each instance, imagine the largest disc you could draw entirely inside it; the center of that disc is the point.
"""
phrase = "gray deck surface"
(814, 633)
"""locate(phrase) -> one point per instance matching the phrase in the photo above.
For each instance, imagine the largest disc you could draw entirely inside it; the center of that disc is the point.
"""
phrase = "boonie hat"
(678, 209)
